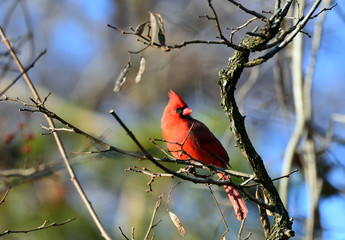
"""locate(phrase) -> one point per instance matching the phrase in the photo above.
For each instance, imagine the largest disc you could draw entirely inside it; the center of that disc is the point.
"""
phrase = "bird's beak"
(187, 111)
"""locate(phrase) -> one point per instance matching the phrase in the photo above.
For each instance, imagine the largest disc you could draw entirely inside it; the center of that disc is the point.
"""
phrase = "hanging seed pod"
(122, 77)
(177, 223)
(142, 66)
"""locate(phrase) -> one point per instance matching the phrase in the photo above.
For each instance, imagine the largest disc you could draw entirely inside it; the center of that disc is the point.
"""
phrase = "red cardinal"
(198, 142)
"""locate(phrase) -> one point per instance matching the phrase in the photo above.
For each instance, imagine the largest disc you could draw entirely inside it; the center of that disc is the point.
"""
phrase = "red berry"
(21, 126)
(29, 136)
(26, 149)
(9, 138)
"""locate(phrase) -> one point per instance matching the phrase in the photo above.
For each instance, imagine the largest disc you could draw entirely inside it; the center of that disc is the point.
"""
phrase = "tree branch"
(45, 225)
(251, 12)
(282, 228)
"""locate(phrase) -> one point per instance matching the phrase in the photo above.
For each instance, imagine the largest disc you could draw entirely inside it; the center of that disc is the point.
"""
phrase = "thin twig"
(170, 192)
(240, 27)
(221, 36)
(160, 148)
(220, 211)
(277, 5)
(284, 43)
(251, 12)
(124, 235)
(132, 233)
(323, 10)
(241, 229)
(209, 42)
(184, 140)
(45, 225)
(51, 130)
(25, 70)
(220, 33)
(248, 236)
(151, 226)
(153, 175)
(80, 132)
(5, 195)
(274, 179)
(139, 51)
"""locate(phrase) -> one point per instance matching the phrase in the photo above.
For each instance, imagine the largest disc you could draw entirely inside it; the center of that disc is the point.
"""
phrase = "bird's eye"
(179, 110)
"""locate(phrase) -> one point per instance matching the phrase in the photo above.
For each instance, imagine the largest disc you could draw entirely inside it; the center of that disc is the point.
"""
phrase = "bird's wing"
(211, 150)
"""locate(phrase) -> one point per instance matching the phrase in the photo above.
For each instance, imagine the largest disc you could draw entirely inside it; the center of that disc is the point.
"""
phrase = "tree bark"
(228, 78)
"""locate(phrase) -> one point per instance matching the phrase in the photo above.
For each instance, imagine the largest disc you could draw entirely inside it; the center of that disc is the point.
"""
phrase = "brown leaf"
(160, 22)
(140, 29)
(177, 223)
(142, 66)
(154, 29)
(223, 237)
(161, 38)
(122, 77)
(161, 33)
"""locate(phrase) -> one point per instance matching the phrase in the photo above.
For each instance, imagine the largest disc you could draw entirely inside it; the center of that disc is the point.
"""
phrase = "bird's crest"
(175, 100)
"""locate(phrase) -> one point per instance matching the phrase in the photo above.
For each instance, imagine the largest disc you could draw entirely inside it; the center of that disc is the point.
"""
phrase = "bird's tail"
(237, 202)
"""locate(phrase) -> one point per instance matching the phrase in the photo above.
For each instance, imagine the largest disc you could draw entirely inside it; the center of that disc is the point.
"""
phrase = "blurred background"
(83, 59)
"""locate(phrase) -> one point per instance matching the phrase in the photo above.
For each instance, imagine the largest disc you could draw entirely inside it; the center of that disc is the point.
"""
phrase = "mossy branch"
(228, 78)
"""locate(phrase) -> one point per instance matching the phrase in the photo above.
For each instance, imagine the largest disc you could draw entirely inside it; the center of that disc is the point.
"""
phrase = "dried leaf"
(161, 33)
(142, 66)
(223, 237)
(153, 24)
(177, 223)
(122, 77)
(161, 37)
(140, 29)
(160, 22)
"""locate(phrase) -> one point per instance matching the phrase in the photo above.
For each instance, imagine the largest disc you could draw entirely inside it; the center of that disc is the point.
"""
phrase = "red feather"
(188, 138)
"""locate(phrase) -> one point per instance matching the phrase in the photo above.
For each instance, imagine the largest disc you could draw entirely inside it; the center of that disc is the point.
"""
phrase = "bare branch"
(241, 229)
(5, 195)
(21, 74)
(221, 36)
(220, 211)
(45, 225)
(274, 179)
(240, 27)
(256, 14)
(51, 130)
(152, 225)
(185, 43)
(277, 5)
(147, 40)
(323, 10)
(284, 43)
(124, 235)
